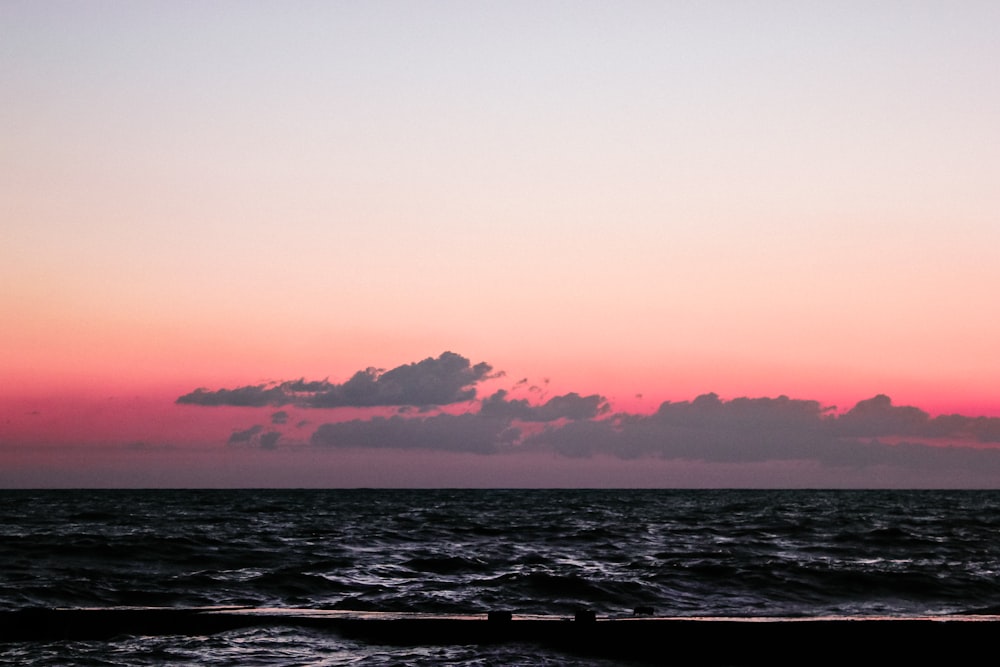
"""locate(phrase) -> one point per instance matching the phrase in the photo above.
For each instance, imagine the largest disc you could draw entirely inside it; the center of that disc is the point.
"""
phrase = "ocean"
(550, 552)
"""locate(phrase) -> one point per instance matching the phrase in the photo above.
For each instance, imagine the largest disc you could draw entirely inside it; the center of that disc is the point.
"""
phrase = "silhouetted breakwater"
(714, 641)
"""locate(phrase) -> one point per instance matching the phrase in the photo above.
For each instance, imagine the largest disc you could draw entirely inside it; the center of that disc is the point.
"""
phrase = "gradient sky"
(645, 201)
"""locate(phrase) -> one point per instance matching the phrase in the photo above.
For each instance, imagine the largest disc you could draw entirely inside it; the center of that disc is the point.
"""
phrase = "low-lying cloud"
(873, 433)
(255, 436)
(455, 433)
(569, 406)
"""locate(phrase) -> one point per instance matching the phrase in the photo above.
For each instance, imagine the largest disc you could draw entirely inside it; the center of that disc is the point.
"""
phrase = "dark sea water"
(687, 553)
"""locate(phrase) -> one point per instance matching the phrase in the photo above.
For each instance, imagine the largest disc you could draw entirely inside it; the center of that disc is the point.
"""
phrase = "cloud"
(878, 416)
(568, 406)
(240, 437)
(251, 396)
(707, 429)
(455, 433)
(873, 435)
(448, 379)
(854, 454)
(255, 437)
(269, 440)
(986, 429)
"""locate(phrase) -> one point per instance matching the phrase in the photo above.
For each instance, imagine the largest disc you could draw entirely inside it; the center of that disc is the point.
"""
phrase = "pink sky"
(643, 202)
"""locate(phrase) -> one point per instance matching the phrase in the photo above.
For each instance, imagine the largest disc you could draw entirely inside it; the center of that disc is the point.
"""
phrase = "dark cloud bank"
(742, 430)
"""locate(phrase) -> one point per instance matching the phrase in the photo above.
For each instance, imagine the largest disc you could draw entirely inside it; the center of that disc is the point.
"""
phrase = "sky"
(682, 243)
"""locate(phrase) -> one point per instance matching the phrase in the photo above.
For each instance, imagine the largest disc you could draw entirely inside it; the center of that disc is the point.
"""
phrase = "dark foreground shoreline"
(706, 640)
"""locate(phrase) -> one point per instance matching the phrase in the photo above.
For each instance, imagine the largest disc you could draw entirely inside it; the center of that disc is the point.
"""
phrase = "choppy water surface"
(469, 551)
